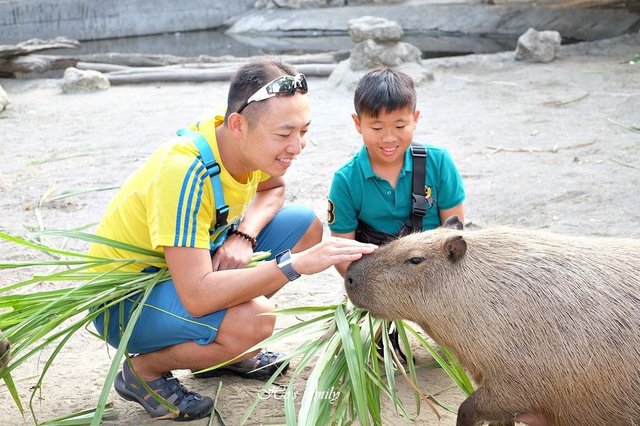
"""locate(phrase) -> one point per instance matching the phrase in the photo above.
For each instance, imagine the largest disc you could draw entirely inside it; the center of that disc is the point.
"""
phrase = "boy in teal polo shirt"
(374, 188)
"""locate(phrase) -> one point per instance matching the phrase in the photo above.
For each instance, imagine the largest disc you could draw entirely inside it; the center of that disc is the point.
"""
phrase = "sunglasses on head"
(285, 85)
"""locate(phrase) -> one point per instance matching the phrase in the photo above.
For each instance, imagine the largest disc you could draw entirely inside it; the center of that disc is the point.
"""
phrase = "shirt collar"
(365, 164)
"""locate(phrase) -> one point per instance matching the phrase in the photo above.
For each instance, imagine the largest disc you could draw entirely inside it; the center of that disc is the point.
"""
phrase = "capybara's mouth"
(360, 292)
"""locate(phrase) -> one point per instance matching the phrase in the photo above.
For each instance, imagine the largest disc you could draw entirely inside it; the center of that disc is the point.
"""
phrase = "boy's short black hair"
(384, 90)
(248, 79)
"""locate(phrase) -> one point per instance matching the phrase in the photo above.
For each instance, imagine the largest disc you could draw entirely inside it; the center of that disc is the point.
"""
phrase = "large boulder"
(78, 81)
(369, 54)
(344, 76)
(378, 45)
(374, 28)
(4, 99)
(538, 46)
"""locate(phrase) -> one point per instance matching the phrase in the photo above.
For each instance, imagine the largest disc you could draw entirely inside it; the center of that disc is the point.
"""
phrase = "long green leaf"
(120, 353)
(402, 334)
(464, 385)
(83, 417)
(8, 380)
(355, 374)
(43, 248)
(95, 239)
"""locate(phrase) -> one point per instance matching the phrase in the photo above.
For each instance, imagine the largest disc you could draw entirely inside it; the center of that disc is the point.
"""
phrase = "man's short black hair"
(384, 90)
(248, 79)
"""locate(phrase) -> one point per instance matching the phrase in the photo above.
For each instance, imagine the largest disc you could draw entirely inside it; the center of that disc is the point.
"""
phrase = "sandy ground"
(538, 145)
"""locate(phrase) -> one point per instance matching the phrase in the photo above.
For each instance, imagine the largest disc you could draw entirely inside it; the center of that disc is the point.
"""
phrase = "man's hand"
(329, 252)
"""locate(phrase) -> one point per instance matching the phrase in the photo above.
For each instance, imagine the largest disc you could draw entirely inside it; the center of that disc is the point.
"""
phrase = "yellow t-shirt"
(169, 200)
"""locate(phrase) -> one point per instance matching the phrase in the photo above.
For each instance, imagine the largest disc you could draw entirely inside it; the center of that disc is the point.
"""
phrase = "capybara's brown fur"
(547, 325)
(5, 351)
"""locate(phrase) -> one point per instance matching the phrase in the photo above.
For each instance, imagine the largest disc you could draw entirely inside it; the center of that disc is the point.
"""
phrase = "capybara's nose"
(349, 282)
(354, 276)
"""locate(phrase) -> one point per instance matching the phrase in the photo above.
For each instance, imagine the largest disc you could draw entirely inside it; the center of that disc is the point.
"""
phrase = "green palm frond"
(348, 381)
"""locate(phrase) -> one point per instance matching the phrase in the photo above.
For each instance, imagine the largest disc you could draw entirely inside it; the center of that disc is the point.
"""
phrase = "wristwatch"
(283, 260)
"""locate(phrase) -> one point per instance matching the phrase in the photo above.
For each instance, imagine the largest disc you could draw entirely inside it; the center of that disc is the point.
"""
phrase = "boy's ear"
(416, 116)
(356, 121)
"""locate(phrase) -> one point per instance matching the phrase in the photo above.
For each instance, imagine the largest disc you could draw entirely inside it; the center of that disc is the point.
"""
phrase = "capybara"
(547, 325)
(5, 351)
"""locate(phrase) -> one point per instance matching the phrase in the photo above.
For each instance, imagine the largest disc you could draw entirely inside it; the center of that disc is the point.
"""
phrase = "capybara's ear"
(455, 247)
(453, 222)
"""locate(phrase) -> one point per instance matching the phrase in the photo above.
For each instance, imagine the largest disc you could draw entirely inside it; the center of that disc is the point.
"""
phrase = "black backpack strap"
(418, 194)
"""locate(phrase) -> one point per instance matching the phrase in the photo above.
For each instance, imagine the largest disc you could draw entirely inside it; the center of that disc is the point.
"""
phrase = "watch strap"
(283, 260)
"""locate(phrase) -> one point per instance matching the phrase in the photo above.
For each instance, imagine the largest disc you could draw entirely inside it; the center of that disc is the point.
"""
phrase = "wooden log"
(152, 60)
(159, 76)
(316, 64)
(36, 45)
(129, 70)
(104, 68)
(34, 63)
(134, 59)
(316, 70)
(173, 74)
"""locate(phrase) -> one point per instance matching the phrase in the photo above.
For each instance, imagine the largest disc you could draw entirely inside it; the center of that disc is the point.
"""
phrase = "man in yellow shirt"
(210, 310)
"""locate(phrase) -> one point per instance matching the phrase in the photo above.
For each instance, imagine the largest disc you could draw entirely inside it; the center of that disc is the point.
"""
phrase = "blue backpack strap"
(213, 170)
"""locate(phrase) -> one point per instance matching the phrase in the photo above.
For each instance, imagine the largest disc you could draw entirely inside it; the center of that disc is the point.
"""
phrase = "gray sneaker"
(192, 405)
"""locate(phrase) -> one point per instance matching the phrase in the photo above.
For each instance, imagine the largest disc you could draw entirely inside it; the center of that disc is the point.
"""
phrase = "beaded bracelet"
(252, 240)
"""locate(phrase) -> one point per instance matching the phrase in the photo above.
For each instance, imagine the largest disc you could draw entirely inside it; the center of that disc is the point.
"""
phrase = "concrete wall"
(99, 19)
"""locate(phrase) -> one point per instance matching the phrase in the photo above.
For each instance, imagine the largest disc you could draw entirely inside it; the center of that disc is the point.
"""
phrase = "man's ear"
(356, 121)
(234, 123)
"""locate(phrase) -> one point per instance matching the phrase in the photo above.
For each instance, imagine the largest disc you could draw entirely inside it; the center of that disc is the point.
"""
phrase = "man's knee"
(264, 323)
(249, 321)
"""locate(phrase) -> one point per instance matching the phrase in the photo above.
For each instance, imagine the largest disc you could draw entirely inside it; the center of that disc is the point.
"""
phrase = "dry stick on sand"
(624, 164)
(570, 101)
(554, 148)
(629, 127)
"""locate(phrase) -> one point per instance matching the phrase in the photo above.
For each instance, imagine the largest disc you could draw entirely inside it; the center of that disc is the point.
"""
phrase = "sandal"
(192, 405)
(259, 367)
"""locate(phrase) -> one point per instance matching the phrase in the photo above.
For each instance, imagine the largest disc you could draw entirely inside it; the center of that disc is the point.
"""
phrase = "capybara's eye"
(416, 260)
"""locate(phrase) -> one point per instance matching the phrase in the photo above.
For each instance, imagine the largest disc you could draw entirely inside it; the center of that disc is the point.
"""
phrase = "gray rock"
(314, 4)
(4, 99)
(378, 45)
(538, 46)
(344, 76)
(418, 72)
(374, 28)
(77, 81)
(298, 4)
(368, 54)
(360, 2)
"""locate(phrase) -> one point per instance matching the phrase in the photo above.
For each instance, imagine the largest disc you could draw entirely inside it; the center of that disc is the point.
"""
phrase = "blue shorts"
(164, 321)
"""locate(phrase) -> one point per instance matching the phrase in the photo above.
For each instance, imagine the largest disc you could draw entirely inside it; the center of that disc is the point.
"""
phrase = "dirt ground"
(538, 145)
